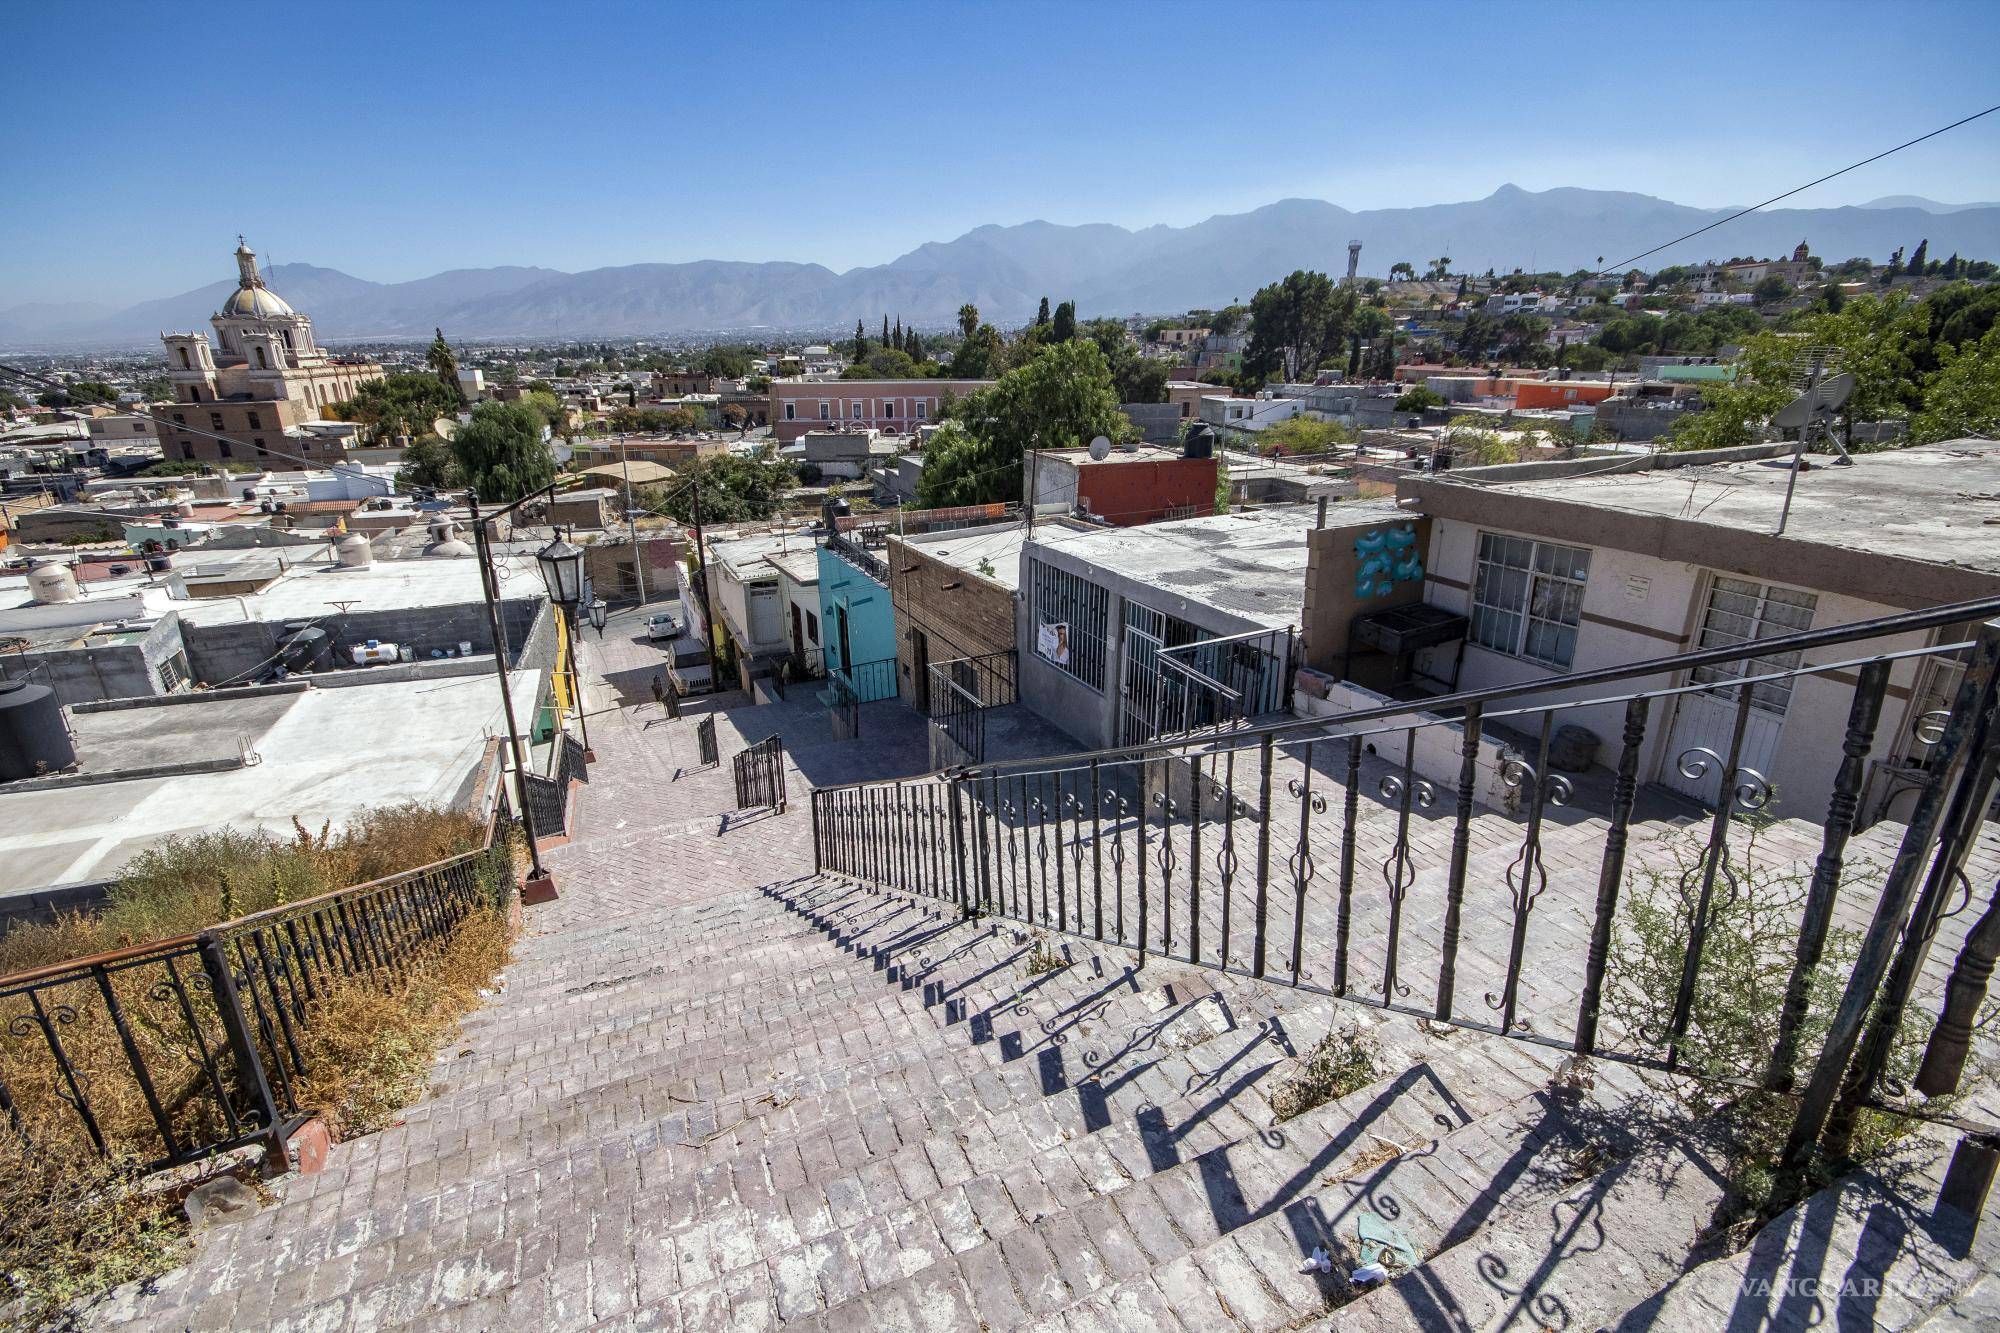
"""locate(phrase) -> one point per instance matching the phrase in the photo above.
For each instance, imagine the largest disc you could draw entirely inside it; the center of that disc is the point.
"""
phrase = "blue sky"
(393, 141)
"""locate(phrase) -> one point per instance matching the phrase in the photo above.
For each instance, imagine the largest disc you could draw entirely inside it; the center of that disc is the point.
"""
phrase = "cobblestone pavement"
(719, 1092)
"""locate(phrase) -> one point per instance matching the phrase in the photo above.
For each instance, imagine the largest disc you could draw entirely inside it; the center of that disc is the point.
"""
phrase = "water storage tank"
(51, 582)
(373, 651)
(33, 739)
(354, 552)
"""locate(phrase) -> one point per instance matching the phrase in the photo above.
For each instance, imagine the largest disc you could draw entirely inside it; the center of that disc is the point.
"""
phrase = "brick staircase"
(718, 1093)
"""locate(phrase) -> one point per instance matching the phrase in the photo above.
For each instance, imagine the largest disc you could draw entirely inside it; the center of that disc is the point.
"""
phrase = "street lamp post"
(541, 886)
(598, 610)
(561, 562)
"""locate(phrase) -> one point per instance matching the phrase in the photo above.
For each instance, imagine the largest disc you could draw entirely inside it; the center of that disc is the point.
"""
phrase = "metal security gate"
(704, 736)
(760, 776)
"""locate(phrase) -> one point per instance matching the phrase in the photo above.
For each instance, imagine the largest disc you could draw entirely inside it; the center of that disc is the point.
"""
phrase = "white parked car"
(662, 626)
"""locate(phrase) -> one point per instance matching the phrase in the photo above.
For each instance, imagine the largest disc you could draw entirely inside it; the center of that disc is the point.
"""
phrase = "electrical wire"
(1625, 264)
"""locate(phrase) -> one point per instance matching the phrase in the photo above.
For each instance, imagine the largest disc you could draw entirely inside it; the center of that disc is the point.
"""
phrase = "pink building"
(798, 406)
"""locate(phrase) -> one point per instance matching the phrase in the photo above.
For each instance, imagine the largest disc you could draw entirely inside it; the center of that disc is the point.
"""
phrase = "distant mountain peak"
(1005, 270)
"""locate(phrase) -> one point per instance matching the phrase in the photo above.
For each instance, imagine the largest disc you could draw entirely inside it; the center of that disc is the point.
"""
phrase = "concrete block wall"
(244, 650)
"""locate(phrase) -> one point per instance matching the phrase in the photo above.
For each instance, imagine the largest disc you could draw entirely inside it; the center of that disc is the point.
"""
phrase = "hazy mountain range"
(1005, 271)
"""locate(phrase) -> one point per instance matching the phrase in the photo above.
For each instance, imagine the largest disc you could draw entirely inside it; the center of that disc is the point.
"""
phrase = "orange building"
(1560, 393)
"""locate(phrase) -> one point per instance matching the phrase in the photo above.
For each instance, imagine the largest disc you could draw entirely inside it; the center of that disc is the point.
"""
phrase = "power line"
(1627, 263)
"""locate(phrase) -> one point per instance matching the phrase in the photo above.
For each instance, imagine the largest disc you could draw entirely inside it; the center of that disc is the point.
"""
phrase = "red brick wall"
(1128, 494)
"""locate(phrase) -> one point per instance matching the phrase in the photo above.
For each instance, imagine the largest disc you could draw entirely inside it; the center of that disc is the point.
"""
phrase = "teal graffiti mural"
(1388, 556)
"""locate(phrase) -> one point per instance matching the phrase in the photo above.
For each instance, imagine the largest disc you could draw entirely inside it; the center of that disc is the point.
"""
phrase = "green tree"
(732, 489)
(1402, 271)
(1301, 435)
(500, 451)
(1918, 258)
(860, 342)
(1771, 288)
(968, 319)
(1296, 324)
(1417, 399)
(444, 364)
(1227, 320)
(1064, 327)
(1963, 398)
(885, 332)
(1042, 315)
(981, 356)
(728, 363)
(430, 462)
(1062, 398)
(401, 404)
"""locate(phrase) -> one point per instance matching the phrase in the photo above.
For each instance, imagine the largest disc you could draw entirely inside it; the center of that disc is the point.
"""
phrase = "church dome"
(255, 303)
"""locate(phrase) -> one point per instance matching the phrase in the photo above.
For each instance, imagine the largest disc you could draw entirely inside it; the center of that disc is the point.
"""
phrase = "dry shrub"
(1344, 1060)
(187, 884)
(76, 1224)
(369, 1050)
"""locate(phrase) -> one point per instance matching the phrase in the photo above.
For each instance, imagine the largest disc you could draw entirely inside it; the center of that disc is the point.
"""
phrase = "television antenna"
(1811, 413)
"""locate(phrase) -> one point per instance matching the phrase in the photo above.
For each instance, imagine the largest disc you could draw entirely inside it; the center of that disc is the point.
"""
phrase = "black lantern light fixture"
(561, 562)
(598, 610)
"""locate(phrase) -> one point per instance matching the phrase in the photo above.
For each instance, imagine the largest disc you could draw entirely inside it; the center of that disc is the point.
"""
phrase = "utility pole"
(539, 881)
(631, 520)
(701, 591)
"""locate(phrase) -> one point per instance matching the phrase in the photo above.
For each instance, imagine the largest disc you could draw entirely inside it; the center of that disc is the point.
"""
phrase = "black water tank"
(33, 739)
(1200, 442)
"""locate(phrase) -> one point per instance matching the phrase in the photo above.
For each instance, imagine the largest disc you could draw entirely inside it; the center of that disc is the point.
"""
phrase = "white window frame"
(923, 409)
(854, 409)
(1754, 611)
(1516, 597)
(822, 411)
(791, 411)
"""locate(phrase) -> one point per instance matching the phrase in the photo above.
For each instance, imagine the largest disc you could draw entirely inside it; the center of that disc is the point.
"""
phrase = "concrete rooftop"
(321, 755)
(1251, 562)
(1936, 503)
(305, 591)
(965, 548)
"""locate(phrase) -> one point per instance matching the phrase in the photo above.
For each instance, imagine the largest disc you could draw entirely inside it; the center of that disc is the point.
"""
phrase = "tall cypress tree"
(1042, 315)
(898, 344)
(916, 347)
(1918, 258)
(860, 343)
(885, 332)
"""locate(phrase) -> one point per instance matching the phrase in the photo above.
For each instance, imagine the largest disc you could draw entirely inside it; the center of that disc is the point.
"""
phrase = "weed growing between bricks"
(1344, 1060)
(1044, 958)
(1746, 963)
(78, 1222)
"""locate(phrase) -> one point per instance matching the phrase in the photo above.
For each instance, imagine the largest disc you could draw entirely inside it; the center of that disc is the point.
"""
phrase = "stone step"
(453, 1205)
(1107, 1248)
(1856, 1254)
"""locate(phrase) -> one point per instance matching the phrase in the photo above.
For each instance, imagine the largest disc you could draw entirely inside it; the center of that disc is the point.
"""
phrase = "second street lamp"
(561, 563)
(598, 611)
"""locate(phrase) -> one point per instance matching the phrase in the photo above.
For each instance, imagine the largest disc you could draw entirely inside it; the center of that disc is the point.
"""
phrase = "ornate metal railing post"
(1951, 1040)
(1461, 852)
(1973, 702)
(958, 846)
(1970, 801)
(242, 1048)
(1862, 716)
(1611, 874)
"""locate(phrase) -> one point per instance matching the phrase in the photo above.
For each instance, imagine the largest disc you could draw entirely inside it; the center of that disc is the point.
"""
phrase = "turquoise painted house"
(857, 620)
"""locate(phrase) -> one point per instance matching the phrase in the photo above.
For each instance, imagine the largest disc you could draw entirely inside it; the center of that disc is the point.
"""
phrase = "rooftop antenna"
(1100, 448)
(1820, 397)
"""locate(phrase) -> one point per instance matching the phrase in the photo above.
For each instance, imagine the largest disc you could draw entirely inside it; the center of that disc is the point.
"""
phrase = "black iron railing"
(961, 691)
(760, 776)
(169, 1052)
(705, 741)
(863, 559)
(867, 682)
(1338, 855)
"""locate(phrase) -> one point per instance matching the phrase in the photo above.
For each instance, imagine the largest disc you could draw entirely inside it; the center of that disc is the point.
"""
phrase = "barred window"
(1740, 611)
(1527, 598)
(1081, 609)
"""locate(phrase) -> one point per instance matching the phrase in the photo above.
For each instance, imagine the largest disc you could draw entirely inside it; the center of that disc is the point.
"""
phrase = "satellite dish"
(1817, 403)
(1100, 448)
(444, 428)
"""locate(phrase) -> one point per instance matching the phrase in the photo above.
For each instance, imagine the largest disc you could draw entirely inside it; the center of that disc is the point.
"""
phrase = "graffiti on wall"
(1388, 556)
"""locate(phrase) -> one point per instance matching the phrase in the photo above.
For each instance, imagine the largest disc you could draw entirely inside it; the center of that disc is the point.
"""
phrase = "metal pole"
(576, 679)
(506, 693)
(631, 521)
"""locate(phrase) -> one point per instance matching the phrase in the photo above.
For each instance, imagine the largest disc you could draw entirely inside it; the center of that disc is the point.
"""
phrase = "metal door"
(1735, 611)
